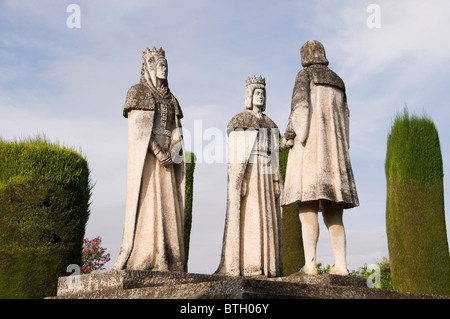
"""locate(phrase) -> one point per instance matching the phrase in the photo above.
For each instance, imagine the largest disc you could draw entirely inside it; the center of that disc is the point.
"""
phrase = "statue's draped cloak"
(153, 236)
(318, 166)
(252, 243)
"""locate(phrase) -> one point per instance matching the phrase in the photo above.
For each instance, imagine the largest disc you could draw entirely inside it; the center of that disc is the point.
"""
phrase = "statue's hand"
(165, 159)
(285, 144)
(244, 188)
(277, 189)
(289, 143)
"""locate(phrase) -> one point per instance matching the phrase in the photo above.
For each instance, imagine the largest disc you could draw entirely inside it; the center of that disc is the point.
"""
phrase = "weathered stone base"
(134, 284)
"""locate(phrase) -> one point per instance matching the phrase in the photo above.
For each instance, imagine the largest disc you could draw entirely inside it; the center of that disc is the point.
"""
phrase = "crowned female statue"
(153, 237)
(252, 240)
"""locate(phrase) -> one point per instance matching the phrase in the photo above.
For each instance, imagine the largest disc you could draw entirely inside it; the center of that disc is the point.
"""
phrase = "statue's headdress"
(251, 84)
(153, 57)
(254, 80)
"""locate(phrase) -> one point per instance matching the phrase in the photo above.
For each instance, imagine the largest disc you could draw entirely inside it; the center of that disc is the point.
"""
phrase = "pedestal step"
(136, 284)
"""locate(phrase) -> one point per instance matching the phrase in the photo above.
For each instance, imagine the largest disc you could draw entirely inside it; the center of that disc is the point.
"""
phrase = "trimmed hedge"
(190, 167)
(415, 217)
(293, 253)
(44, 207)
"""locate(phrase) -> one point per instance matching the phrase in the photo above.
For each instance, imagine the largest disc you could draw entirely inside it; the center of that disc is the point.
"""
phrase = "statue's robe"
(153, 237)
(318, 166)
(252, 242)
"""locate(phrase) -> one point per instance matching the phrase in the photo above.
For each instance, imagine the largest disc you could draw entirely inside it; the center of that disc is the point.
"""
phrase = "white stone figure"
(252, 243)
(319, 175)
(153, 237)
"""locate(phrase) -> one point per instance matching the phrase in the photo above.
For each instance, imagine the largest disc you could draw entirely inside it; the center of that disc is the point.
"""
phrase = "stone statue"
(252, 243)
(153, 237)
(319, 175)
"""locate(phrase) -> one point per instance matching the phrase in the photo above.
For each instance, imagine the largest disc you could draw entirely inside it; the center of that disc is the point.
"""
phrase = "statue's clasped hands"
(165, 159)
(285, 144)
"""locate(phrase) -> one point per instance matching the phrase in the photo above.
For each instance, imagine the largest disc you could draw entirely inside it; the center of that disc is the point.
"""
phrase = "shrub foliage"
(44, 206)
(189, 192)
(415, 218)
(94, 256)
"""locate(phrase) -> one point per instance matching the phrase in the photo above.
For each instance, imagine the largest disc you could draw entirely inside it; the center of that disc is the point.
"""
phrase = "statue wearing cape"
(319, 175)
(153, 237)
(252, 242)
(318, 166)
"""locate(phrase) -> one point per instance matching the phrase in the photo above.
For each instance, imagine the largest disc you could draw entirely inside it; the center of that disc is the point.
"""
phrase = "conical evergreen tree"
(189, 193)
(45, 193)
(293, 254)
(415, 218)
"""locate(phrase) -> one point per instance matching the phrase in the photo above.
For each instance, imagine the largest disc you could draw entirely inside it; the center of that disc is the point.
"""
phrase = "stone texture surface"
(330, 280)
(109, 280)
(135, 284)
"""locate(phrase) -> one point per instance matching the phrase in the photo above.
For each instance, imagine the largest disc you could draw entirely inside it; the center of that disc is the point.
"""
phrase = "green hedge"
(415, 218)
(44, 207)
(293, 253)
(189, 192)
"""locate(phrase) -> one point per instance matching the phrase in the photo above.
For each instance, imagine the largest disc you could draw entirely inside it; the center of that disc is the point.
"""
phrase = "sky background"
(70, 84)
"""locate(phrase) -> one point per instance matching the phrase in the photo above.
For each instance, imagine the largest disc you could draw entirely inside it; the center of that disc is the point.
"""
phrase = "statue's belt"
(161, 131)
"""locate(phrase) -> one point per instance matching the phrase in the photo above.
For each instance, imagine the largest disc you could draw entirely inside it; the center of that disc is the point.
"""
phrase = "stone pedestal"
(134, 284)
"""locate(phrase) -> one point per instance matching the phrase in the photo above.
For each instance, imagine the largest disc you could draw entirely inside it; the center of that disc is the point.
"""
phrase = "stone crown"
(154, 52)
(254, 80)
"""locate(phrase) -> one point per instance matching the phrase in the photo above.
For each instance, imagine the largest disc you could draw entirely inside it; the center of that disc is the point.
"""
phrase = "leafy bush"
(366, 272)
(384, 273)
(415, 218)
(93, 256)
(44, 207)
(322, 270)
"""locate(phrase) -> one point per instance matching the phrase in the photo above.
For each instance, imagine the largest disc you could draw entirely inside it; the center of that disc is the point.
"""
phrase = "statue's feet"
(338, 271)
(312, 271)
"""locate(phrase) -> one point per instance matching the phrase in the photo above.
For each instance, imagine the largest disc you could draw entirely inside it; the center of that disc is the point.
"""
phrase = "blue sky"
(70, 84)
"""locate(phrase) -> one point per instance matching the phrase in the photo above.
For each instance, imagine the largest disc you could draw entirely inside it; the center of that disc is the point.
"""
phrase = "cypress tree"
(293, 254)
(189, 193)
(44, 206)
(415, 218)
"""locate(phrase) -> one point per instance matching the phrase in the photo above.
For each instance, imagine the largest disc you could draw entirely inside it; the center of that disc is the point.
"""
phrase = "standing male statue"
(319, 175)
(252, 241)
(153, 237)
